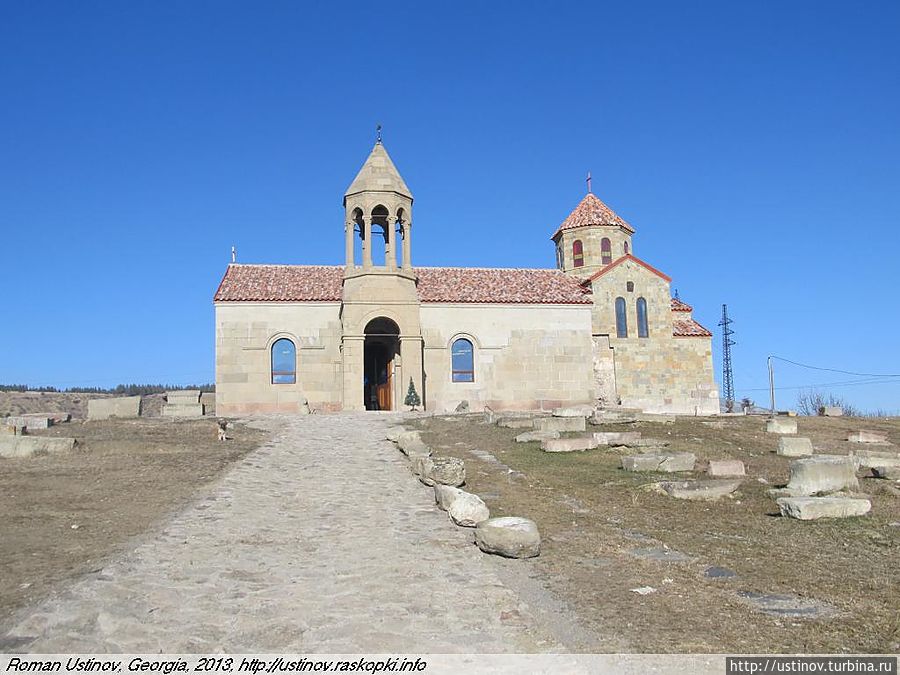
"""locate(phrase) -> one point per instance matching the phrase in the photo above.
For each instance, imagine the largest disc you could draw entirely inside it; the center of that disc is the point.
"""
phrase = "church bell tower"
(381, 343)
(378, 208)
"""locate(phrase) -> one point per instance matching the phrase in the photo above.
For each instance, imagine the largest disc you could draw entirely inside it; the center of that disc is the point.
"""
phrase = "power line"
(831, 370)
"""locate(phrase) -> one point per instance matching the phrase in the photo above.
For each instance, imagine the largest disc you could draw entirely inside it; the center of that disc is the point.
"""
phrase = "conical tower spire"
(378, 174)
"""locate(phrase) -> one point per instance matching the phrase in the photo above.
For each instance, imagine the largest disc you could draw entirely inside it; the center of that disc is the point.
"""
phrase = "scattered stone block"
(467, 510)
(781, 425)
(444, 495)
(26, 446)
(832, 411)
(182, 410)
(600, 419)
(574, 411)
(208, 400)
(822, 474)
(509, 536)
(813, 508)
(530, 436)
(516, 423)
(660, 462)
(863, 436)
(560, 424)
(121, 406)
(393, 433)
(614, 438)
(569, 444)
(411, 445)
(30, 421)
(648, 443)
(659, 554)
(888, 472)
(725, 468)
(654, 417)
(183, 396)
(797, 446)
(869, 458)
(443, 470)
(699, 490)
(788, 606)
(716, 572)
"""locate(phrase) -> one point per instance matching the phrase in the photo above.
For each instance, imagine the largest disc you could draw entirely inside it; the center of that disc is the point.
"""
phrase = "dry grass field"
(64, 514)
(835, 583)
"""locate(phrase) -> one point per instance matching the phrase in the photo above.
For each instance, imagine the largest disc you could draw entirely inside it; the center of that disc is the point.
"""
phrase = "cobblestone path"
(319, 541)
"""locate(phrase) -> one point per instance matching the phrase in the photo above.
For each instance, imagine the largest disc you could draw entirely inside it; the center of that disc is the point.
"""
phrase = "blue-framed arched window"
(462, 356)
(643, 329)
(284, 362)
(621, 319)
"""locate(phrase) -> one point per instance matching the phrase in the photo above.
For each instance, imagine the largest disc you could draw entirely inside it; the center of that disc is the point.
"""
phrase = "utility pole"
(727, 373)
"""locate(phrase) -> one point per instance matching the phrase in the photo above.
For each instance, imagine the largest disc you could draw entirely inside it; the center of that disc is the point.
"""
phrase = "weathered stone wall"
(526, 356)
(245, 333)
(659, 373)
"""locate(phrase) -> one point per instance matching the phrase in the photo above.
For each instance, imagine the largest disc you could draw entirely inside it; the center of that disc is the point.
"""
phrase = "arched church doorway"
(382, 348)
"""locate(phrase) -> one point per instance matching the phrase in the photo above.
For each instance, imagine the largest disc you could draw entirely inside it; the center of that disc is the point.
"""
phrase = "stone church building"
(601, 327)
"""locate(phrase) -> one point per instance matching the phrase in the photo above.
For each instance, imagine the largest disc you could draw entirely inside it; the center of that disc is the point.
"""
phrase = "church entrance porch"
(380, 359)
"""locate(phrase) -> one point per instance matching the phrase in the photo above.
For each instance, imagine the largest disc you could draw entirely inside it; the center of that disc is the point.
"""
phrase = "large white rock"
(794, 446)
(822, 474)
(699, 490)
(661, 462)
(467, 510)
(509, 536)
(781, 425)
(444, 470)
(813, 508)
(393, 433)
(444, 495)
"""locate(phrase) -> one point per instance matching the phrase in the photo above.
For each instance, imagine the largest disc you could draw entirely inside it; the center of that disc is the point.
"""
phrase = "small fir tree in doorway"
(412, 397)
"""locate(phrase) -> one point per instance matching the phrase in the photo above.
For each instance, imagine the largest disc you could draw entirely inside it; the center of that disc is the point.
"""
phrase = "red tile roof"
(281, 283)
(303, 283)
(679, 306)
(688, 328)
(619, 261)
(591, 211)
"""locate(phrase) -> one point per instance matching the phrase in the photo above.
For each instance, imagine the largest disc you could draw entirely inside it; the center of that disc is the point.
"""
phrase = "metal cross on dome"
(589, 181)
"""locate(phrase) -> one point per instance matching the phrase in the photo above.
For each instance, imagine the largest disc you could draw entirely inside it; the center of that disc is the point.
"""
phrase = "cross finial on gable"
(589, 181)
(378, 134)
(233, 254)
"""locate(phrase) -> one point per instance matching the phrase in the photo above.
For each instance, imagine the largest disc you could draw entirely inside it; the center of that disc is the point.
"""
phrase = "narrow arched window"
(578, 253)
(462, 361)
(559, 257)
(605, 251)
(621, 319)
(643, 330)
(626, 248)
(284, 362)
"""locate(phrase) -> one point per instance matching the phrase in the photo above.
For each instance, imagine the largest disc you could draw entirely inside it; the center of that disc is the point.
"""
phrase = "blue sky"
(755, 147)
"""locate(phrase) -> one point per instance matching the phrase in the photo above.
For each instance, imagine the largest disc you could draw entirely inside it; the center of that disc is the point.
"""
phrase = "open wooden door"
(386, 390)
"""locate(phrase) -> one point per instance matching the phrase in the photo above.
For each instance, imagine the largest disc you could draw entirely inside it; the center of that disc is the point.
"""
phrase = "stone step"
(614, 438)
(560, 424)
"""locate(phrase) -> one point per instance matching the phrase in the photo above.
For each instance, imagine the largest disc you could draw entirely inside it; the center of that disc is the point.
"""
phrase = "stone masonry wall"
(661, 372)
(591, 240)
(526, 356)
(244, 336)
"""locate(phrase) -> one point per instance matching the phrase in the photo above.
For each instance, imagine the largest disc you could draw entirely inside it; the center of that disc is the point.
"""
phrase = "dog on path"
(222, 425)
